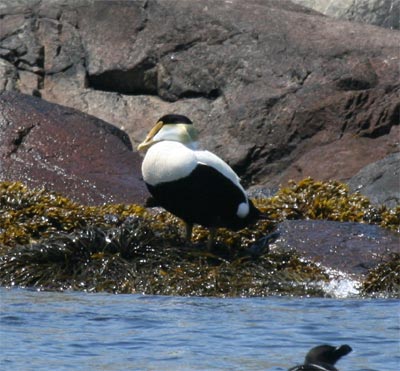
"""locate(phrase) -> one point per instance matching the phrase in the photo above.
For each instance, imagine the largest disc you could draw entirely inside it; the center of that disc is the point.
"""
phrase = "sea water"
(81, 331)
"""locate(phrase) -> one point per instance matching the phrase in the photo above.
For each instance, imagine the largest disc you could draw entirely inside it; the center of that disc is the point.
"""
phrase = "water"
(80, 331)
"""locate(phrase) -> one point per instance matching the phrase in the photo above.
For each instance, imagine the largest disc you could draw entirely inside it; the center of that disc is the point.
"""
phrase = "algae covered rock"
(384, 280)
(50, 242)
(310, 199)
(133, 259)
(28, 215)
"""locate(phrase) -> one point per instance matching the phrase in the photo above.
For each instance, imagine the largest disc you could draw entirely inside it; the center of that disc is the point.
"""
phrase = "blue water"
(81, 331)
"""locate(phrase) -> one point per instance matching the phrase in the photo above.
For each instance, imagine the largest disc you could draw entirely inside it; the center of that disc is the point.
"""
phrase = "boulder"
(379, 181)
(351, 248)
(384, 13)
(8, 76)
(279, 91)
(82, 157)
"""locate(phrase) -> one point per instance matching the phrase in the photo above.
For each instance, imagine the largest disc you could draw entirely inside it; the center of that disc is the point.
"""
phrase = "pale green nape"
(191, 132)
(183, 133)
(190, 138)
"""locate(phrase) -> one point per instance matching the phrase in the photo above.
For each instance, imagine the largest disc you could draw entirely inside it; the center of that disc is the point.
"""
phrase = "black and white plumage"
(195, 185)
(323, 358)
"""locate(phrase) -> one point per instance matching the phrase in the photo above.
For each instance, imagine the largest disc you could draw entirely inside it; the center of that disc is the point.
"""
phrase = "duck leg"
(211, 238)
(188, 232)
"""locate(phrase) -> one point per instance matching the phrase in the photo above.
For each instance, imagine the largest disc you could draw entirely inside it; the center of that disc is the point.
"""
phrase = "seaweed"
(49, 242)
(27, 215)
(132, 259)
(332, 200)
(385, 278)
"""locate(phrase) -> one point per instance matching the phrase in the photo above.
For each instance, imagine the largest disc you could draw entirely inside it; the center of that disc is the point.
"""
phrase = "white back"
(210, 159)
(166, 161)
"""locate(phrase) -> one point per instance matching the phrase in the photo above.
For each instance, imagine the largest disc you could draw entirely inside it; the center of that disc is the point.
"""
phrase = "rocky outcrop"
(384, 13)
(80, 156)
(352, 248)
(279, 91)
(379, 181)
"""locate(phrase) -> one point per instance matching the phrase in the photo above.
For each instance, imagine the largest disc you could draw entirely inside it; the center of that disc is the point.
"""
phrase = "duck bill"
(144, 145)
(149, 138)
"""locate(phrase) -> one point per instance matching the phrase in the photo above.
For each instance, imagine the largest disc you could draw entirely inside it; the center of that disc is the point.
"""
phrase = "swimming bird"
(323, 358)
(193, 184)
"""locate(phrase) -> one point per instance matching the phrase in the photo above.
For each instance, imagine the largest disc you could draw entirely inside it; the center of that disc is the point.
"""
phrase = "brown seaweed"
(50, 242)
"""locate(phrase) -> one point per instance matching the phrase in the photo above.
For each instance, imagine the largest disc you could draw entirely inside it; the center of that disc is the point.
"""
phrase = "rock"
(352, 248)
(343, 158)
(29, 83)
(279, 91)
(379, 181)
(77, 155)
(8, 76)
(384, 13)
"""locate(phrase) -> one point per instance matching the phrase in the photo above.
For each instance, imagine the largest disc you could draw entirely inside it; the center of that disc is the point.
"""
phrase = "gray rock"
(352, 248)
(279, 91)
(384, 13)
(86, 159)
(380, 181)
(8, 76)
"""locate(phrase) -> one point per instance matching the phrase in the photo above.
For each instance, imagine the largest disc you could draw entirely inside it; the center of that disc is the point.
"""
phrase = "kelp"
(332, 200)
(133, 259)
(48, 241)
(28, 215)
(385, 278)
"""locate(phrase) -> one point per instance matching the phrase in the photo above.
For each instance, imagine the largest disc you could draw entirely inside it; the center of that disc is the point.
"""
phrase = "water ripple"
(78, 331)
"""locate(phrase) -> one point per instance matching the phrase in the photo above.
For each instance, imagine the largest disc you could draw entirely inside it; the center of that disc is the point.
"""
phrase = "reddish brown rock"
(279, 91)
(352, 248)
(77, 155)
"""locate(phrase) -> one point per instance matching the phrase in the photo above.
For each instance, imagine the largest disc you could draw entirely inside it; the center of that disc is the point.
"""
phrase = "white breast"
(167, 161)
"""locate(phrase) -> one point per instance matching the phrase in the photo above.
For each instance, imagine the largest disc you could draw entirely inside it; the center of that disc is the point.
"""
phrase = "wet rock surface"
(279, 91)
(64, 150)
(352, 248)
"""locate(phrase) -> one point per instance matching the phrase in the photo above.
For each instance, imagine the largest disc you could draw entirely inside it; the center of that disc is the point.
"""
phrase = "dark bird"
(323, 358)
(195, 185)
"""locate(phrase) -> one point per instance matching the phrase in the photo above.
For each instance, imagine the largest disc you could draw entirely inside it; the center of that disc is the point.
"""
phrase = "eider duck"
(195, 185)
(323, 358)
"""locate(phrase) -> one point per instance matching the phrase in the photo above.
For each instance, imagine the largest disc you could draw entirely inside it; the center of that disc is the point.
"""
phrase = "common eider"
(323, 358)
(195, 185)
